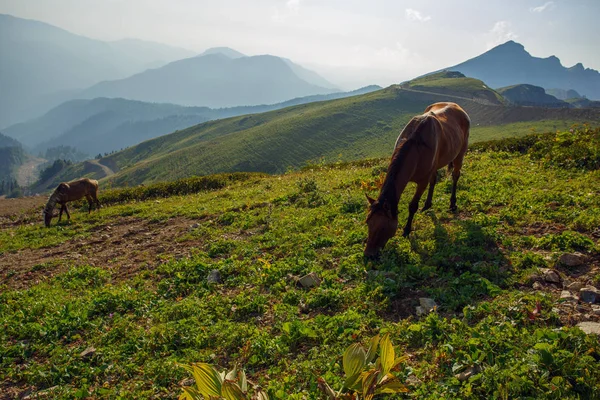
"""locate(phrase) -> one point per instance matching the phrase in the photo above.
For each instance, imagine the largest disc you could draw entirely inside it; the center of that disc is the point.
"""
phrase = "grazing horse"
(71, 191)
(430, 141)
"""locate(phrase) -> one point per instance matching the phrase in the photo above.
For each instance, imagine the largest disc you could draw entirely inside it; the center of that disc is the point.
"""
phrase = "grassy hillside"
(338, 130)
(455, 83)
(105, 125)
(345, 129)
(105, 306)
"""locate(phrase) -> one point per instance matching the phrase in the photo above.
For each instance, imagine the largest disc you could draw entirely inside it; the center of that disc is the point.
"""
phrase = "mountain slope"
(81, 120)
(305, 74)
(530, 95)
(11, 157)
(103, 125)
(7, 141)
(41, 64)
(346, 129)
(563, 94)
(212, 80)
(509, 64)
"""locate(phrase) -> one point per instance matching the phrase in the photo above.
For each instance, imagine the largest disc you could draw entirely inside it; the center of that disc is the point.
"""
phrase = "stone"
(413, 380)
(88, 353)
(420, 311)
(590, 327)
(571, 259)
(575, 286)
(467, 373)
(187, 382)
(589, 294)
(427, 304)
(566, 295)
(595, 309)
(214, 276)
(194, 226)
(537, 285)
(550, 275)
(309, 280)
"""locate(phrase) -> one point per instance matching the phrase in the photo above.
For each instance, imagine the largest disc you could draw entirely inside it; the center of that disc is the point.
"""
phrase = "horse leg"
(95, 198)
(457, 163)
(60, 212)
(432, 182)
(90, 202)
(67, 211)
(414, 206)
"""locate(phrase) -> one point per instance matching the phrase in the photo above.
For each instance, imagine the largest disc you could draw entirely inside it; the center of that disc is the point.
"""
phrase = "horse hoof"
(453, 209)
(426, 207)
(405, 233)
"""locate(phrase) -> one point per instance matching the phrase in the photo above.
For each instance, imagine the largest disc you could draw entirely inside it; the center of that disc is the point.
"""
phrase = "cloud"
(546, 6)
(501, 32)
(291, 9)
(414, 15)
(293, 5)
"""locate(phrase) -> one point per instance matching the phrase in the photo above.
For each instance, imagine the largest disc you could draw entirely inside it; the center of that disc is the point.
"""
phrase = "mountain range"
(510, 64)
(42, 65)
(47, 66)
(212, 80)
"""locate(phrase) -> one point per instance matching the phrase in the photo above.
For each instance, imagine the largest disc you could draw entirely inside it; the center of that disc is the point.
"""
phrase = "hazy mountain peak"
(553, 59)
(510, 64)
(579, 66)
(510, 47)
(226, 51)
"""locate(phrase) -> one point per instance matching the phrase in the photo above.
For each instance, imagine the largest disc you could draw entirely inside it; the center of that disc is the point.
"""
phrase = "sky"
(350, 42)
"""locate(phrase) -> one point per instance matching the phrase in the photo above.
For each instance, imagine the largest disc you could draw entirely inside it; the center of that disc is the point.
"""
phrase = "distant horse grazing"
(71, 191)
(430, 141)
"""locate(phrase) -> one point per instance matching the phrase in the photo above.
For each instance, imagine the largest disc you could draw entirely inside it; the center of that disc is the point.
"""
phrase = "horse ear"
(369, 199)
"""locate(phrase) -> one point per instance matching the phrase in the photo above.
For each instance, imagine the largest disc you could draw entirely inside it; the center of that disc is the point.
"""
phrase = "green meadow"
(522, 203)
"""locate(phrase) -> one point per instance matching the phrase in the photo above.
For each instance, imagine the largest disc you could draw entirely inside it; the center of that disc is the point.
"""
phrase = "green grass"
(261, 232)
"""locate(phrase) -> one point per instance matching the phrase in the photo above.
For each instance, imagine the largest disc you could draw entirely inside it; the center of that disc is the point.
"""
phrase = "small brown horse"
(430, 141)
(71, 191)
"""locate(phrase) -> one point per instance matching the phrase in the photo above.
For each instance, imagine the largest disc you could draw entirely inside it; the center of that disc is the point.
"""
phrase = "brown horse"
(71, 191)
(430, 141)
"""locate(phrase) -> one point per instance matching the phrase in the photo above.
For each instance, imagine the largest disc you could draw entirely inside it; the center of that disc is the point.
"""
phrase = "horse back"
(454, 132)
(80, 188)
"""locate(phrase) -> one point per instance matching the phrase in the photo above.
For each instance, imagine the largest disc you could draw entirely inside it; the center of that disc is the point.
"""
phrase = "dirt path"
(107, 171)
(28, 173)
(473, 99)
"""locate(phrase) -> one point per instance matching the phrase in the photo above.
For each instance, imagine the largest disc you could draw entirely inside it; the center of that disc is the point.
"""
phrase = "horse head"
(47, 217)
(382, 226)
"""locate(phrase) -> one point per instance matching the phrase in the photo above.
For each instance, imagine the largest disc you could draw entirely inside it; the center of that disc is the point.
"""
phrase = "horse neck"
(51, 202)
(401, 169)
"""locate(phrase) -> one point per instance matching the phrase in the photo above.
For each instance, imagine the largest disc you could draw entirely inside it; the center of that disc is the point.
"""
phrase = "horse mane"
(414, 139)
(55, 197)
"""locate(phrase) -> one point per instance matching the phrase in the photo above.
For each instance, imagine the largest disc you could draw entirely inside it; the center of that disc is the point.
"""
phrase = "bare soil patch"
(124, 247)
(18, 211)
